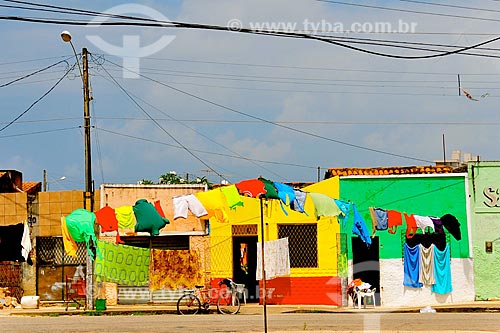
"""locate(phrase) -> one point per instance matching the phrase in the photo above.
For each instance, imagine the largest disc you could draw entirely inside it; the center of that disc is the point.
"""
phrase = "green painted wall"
(484, 184)
(421, 195)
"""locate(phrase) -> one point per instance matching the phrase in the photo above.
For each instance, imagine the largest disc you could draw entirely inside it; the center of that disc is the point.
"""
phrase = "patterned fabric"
(276, 259)
(122, 264)
(175, 269)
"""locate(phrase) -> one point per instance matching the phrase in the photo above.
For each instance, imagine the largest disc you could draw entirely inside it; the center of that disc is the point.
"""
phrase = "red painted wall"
(325, 290)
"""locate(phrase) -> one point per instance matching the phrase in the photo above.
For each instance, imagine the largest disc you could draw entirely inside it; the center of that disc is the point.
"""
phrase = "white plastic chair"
(240, 289)
(366, 294)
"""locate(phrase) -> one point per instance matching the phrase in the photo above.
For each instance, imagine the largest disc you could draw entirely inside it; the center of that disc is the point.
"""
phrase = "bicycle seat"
(199, 287)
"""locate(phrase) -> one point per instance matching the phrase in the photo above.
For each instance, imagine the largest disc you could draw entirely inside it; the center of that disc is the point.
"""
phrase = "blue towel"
(442, 271)
(345, 208)
(411, 266)
(359, 227)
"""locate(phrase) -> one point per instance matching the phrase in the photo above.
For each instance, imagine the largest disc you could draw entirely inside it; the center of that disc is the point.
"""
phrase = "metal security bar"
(302, 243)
(50, 252)
(244, 230)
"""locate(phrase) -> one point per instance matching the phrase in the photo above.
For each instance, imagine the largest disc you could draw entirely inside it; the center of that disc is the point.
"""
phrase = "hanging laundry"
(442, 271)
(122, 264)
(411, 266)
(276, 259)
(26, 242)
(148, 218)
(300, 200)
(106, 218)
(232, 196)
(324, 205)
(125, 217)
(253, 188)
(80, 224)
(394, 219)
(69, 243)
(175, 269)
(438, 225)
(359, 227)
(159, 209)
(10, 242)
(271, 192)
(379, 219)
(451, 224)
(345, 208)
(424, 222)
(411, 225)
(189, 201)
(215, 203)
(426, 271)
(286, 193)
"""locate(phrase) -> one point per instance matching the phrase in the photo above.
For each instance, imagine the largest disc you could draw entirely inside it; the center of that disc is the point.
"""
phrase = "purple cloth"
(438, 225)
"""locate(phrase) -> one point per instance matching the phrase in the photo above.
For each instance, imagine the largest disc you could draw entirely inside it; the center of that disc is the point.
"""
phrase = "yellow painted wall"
(328, 227)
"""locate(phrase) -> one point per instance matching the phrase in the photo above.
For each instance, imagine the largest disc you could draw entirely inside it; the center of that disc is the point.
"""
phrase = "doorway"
(245, 265)
(366, 264)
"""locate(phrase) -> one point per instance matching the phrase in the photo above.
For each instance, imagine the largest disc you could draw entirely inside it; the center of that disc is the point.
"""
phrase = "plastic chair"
(366, 295)
(240, 289)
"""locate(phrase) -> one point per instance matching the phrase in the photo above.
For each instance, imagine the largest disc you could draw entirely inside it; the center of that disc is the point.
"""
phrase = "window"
(302, 243)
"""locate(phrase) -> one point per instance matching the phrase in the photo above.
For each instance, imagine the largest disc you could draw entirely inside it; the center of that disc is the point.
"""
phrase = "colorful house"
(423, 191)
(484, 185)
(312, 243)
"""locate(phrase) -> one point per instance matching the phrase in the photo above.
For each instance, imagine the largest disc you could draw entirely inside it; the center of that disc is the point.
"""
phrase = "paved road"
(296, 322)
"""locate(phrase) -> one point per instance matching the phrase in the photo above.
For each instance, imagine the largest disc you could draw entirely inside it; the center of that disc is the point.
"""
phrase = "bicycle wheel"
(188, 304)
(228, 303)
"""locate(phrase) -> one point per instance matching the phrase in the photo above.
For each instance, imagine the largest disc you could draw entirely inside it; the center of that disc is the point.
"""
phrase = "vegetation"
(173, 178)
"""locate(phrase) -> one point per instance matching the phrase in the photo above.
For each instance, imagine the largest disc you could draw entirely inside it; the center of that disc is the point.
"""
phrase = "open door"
(245, 265)
(366, 264)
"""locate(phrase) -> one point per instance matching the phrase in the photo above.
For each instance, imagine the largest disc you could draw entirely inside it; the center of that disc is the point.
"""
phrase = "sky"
(231, 106)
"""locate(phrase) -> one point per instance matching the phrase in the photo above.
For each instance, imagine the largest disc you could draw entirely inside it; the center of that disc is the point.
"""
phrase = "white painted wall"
(394, 294)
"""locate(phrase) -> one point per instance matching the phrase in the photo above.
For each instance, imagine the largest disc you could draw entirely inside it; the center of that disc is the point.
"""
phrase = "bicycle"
(194, 300)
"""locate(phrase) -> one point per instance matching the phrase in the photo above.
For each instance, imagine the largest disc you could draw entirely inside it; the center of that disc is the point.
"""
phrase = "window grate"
(302, 243)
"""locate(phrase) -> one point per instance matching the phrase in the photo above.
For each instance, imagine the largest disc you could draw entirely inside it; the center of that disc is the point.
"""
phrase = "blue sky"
(207, 90)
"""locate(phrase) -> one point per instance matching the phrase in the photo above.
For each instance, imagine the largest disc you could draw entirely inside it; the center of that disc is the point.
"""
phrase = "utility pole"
(89, 192)
(88, 197)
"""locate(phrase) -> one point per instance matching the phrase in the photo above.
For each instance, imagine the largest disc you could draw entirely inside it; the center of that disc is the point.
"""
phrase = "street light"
(89, 193)
(88, 202)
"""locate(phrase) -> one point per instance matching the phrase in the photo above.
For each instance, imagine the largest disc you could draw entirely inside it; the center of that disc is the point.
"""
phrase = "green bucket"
(100, 304)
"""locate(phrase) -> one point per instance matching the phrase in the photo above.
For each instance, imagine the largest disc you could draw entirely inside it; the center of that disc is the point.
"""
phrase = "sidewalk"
(250, 309)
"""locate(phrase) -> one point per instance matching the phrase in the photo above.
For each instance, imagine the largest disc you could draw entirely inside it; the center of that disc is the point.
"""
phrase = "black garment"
(439, 240)
(451, 224)
(10, 242)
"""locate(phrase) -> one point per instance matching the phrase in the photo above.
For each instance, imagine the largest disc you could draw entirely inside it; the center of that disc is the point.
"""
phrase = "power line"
(489, 10)
(39, 99)
(409, 11)
(173, 24)
(38, 132)
(198, 132)
(157, 124)
(35, 72)
(268, 121)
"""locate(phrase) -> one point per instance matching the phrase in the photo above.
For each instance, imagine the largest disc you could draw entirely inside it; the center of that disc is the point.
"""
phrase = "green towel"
(122, 264)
